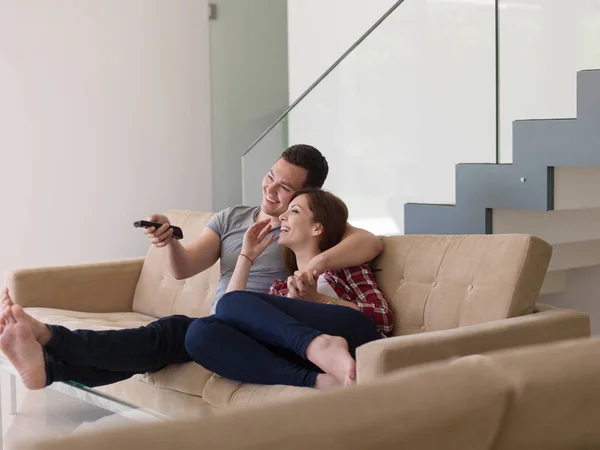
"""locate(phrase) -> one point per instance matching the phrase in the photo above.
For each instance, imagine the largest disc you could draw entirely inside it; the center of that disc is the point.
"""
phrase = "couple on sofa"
(323, 304)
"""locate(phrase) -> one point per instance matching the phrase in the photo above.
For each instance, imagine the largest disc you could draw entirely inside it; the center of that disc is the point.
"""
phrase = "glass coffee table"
(60, 408)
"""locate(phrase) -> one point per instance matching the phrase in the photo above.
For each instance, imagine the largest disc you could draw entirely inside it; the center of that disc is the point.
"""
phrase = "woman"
(309, 338)
(299, 354)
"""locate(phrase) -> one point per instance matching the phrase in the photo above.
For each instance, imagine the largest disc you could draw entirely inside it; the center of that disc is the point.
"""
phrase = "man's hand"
(160, 237)
(316, 266)
(254, 240)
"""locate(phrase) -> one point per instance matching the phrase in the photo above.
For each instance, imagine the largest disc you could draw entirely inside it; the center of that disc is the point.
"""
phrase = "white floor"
(47, 413)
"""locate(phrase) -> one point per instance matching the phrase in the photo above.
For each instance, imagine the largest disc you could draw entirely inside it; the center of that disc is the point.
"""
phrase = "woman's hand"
(293, 289)
(254, 244)
(305, 285)
(254, 240)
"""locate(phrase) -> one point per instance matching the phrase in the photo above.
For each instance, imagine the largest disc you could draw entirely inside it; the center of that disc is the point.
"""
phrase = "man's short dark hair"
(311, 159)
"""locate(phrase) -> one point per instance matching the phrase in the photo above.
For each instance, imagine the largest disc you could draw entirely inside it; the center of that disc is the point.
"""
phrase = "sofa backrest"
(432, 282)
(534, 398)
(449, 407)
(158, 294)
(442, 282)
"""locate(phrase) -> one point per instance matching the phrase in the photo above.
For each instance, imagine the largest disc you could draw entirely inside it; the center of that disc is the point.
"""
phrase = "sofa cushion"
(442, 282)
(188, 378)
(557, 396)
(224, 393)
(171, 403)
(159, 294)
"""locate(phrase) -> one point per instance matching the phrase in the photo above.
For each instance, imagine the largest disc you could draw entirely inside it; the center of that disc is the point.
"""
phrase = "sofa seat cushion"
(189, 378)
(224, 393)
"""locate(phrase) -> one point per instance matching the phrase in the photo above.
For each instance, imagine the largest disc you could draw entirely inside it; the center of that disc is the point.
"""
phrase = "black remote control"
(177, 233)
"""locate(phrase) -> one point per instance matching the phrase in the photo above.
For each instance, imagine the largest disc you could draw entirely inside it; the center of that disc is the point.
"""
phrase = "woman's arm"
(324, 299)
(239, 279)
(369, 298)
(357, 247)
(306, 286)
(256, 240)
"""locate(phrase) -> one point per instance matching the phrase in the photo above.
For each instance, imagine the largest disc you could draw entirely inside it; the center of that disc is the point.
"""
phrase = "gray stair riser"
(527, 183)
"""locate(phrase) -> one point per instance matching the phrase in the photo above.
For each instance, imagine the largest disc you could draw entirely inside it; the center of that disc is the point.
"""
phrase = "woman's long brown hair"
(328, 210)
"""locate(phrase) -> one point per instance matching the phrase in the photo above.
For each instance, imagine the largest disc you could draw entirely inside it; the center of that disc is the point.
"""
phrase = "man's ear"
(317, 229)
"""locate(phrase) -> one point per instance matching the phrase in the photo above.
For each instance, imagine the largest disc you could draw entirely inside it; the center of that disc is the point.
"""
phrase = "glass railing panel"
(413, 99)
(542, 45)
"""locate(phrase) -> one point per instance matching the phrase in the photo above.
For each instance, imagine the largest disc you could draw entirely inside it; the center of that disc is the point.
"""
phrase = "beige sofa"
(544, 397)
(451, 295)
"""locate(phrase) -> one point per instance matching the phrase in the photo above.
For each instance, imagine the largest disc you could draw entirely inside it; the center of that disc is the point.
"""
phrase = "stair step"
(556, 227)
(422, 218)
(573, 255)
(539, 146)
(576, 187)
(503, 186)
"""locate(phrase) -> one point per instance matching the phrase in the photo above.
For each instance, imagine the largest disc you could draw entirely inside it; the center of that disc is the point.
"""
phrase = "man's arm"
(185, 262)
(358, 247)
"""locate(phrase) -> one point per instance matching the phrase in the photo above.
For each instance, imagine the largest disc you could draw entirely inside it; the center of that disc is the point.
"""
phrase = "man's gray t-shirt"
(230, 225)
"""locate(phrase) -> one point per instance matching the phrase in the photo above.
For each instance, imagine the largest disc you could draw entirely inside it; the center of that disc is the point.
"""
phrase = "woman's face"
(297, 225)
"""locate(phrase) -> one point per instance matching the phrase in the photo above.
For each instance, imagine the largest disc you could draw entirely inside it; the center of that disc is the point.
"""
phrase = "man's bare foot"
(40, 330)
(5, 299)
(331, 354)
(21, 348)
(326, 381)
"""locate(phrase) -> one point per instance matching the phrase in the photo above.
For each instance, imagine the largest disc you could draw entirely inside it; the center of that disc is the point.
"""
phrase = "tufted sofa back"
(442, 282)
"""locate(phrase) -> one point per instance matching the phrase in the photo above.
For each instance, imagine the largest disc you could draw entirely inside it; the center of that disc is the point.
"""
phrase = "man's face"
(278, 186)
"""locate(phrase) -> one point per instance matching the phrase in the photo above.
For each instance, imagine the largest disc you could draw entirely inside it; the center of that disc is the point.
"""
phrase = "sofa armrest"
(548, 324)
(99, 287)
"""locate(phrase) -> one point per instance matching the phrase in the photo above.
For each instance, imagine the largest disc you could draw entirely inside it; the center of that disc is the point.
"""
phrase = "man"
(298, 167)
(44, 353)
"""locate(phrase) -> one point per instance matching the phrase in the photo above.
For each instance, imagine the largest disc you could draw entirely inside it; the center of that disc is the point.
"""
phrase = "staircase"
(552, 188)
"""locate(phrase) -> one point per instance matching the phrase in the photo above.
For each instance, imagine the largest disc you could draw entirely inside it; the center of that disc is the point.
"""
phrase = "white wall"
(104, 119)
(393, 119)
(249, 83)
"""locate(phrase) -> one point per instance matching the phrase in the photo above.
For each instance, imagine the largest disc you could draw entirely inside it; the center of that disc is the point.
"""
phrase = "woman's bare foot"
(40, 330)
(326, 381)
(21, 348)
(331, 354)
